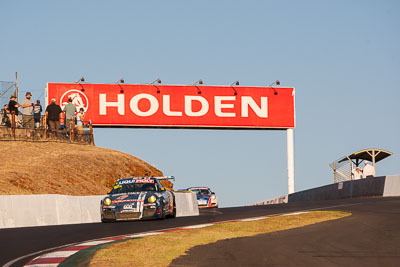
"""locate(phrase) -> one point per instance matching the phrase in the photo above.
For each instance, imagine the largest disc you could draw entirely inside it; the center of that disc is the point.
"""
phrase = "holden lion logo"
(79, 99)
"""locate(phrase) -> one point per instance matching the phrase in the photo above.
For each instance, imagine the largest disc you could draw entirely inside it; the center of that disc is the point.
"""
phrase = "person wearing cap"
(80, 118)
(13, 108)
(70, 110)
(53, 116)
(357, 173)
(27, 113)
(369, 170)
(37, 113)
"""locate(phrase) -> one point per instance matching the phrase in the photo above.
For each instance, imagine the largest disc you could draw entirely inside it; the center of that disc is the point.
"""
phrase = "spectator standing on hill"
(70, 110)
(37, 113)
(5, 119)
(13, 106)
(357, 173)
(27, 113)
(53, 116)
(368, 171)
(80, 118)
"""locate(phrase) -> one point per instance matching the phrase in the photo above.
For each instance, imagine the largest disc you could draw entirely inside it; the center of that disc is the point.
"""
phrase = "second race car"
(205, 197)
(137, 198)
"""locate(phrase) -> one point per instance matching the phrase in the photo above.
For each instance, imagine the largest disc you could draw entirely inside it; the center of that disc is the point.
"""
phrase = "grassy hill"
(62, 168)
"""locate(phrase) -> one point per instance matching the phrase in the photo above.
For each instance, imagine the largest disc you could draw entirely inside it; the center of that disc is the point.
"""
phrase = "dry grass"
(160, 250)
(62, 168)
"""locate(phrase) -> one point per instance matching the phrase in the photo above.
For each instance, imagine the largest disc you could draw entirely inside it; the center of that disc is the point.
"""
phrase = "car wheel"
(173, 215)
(162, 212)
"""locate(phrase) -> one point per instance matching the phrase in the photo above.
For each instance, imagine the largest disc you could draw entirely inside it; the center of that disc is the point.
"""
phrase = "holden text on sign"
(180, 106)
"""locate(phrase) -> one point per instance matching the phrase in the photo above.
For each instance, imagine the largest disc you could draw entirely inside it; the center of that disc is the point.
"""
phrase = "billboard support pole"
(290, 159)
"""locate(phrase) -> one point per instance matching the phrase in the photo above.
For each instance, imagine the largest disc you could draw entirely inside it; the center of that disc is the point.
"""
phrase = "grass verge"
(160, 250)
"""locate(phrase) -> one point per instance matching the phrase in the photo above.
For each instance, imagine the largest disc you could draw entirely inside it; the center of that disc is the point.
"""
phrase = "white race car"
(205, 197)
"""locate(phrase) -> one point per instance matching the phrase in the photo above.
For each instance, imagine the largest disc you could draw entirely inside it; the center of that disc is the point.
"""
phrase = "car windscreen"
(134, 187)
(201, 191)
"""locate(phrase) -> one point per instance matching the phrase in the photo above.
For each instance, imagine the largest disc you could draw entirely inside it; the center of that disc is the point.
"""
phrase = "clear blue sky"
(341, 56)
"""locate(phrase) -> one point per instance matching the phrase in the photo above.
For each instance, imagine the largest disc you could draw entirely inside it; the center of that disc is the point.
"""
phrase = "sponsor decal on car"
(144, 181)
(129, 207)
(126, 182)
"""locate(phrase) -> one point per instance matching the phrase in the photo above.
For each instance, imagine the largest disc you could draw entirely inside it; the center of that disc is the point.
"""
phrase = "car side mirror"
(213, 193)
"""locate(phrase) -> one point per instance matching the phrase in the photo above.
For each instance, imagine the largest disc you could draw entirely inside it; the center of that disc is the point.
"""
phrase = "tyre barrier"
(53, 209)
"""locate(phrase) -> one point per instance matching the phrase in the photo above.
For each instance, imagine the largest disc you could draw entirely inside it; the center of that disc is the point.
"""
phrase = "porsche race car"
(137, 198)
(205, 197)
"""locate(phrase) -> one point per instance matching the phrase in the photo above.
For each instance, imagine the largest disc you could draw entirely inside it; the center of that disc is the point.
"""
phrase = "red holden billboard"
(179, 106)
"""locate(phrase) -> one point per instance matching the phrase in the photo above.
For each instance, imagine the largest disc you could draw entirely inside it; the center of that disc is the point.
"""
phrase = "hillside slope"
(61, 168)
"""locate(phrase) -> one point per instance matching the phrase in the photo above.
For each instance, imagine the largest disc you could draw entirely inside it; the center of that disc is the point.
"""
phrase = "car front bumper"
(120, 214)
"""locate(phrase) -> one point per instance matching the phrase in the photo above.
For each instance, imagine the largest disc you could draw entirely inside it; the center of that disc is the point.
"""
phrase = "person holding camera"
(13, 109)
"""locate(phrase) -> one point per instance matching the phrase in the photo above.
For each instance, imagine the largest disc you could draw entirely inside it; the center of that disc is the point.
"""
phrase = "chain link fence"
(342, 170)
(6, 90)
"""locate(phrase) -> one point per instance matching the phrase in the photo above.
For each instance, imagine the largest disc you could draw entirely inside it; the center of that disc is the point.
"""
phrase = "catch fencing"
(13, 128)
(6, 90)
(342, 170)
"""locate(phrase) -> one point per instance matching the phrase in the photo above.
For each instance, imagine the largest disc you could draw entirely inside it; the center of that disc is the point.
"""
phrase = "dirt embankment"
(69, 169)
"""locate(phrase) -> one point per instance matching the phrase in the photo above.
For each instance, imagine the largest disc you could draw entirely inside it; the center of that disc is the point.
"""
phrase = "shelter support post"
(290, 159)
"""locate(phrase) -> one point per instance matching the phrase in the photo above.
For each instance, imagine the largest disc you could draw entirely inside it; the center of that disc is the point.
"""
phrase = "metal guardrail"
(14, 130)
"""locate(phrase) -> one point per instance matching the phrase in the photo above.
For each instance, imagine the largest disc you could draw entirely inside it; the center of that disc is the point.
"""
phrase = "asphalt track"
(380, 234)
(370, 237)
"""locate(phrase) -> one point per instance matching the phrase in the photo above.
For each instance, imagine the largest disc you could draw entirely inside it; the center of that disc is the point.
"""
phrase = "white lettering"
(261, 112)
(221, 103)
(167, 107)
(188, 106)
(134, 104)
(103, 104)
(219, 106)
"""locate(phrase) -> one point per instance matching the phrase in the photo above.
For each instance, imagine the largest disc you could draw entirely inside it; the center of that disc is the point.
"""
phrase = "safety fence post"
(13, 124)
(71, 130)
(91, 133)
(44, 122)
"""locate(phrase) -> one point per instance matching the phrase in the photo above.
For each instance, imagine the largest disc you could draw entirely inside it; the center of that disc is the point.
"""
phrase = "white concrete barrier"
(392, 186)
(41, 210)
(277, 200)
(186, 204)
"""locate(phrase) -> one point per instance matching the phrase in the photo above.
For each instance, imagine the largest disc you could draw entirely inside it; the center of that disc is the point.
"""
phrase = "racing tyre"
(173, 215)
(162, 212)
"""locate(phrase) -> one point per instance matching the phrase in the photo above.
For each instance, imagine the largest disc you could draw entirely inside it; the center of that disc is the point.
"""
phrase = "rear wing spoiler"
(165, 178)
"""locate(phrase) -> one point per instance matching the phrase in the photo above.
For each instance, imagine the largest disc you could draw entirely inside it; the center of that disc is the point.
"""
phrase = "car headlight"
(107, 201)
(152, 199)
(213, 197)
